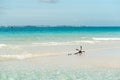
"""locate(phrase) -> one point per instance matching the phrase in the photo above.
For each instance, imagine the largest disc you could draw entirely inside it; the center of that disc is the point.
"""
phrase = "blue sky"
(60, 12)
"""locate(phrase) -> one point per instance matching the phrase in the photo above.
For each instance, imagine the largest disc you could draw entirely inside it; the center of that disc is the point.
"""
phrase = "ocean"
(17, 40)
(14, 40)
(34, 53)
(15, 37)
(29, 35)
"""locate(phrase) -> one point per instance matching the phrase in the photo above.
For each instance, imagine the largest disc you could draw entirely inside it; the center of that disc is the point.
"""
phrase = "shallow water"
(61, 74)
(21, 43)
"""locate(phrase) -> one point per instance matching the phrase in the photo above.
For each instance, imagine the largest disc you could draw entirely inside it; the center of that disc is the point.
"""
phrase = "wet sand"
(99, 54)
(100, 62)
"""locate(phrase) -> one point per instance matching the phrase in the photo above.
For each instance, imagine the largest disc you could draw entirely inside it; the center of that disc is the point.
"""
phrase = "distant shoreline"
(61, 26)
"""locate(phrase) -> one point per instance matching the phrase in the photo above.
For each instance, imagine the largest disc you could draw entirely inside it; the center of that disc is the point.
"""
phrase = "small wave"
(20, 57)
(106, 39)
(2, 45)
(63, 43)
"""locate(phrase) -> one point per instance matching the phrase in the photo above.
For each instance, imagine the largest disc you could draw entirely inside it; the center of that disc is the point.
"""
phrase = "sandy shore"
(104, 55)
(62, 61)
(77, 61)
(100, 62)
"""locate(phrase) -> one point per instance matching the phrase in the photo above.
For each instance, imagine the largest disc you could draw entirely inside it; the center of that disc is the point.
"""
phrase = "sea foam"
(107, 39)
(2, 45)
(63, 43)
(78, 42)
(20, 57)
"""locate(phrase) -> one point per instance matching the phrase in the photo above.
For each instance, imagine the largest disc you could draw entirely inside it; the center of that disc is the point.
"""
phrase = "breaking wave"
(19, 57)
(2, 45)
(106, 39)
(78, 42)
(63, 43)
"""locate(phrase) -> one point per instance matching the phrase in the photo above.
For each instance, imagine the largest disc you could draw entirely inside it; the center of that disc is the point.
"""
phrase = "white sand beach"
(96, 55)
(99, 59)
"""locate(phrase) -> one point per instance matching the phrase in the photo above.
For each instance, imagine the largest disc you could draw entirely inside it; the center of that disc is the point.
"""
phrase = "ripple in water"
(61, 74)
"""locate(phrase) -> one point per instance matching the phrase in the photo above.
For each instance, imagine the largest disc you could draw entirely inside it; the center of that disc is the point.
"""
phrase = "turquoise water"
(20, 43)
(12, 35)
(17, 40)
(62, 74)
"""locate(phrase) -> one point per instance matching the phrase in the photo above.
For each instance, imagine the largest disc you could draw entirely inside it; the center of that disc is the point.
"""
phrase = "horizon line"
(59, 25)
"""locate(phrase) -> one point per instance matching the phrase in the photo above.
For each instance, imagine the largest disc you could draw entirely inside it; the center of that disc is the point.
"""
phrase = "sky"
(60, 12)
